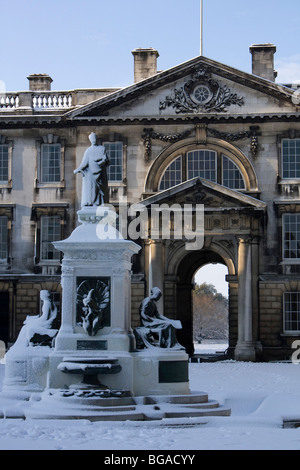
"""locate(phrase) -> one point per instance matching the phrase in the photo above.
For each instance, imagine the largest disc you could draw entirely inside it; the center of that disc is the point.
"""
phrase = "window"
(6, 149)
(50, 167)
(202, 163)
(172, 175)
(232, 177)
(50, 163)
(50, 232)
(202, 94)
(206, 164)
(49, 225)
(3, 238)
(290, 158)
(291, 311)
(291, 236)
(115, 154)
(4, 177)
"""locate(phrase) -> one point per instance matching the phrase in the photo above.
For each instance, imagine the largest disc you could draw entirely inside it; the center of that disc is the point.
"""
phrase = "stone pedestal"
(96, 253)
(158, 372)
(95, 359)
(26, 370)
(92, 262)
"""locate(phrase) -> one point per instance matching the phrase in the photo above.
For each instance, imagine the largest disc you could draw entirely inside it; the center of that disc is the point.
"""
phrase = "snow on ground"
(260, 396)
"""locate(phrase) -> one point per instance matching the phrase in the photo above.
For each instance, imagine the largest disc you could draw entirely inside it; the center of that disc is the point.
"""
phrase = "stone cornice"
(50, 122)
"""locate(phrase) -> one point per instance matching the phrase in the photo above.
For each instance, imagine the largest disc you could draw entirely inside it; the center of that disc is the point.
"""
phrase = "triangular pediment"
(200, 87)
(212, 195)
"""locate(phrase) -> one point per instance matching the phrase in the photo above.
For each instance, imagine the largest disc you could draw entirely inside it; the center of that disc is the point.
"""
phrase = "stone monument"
(94, 178)
(156, 330)
(27, 361)
(95, 366)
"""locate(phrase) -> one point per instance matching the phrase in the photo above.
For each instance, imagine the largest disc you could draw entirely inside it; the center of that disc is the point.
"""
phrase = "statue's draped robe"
(94, 181)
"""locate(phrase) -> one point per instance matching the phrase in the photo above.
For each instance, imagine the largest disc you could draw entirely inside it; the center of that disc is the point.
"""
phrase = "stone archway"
(233, 229)
(185, 271)
(240, 255)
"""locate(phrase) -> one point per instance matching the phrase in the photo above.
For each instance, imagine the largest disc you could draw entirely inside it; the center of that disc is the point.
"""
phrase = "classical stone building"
(199, 134)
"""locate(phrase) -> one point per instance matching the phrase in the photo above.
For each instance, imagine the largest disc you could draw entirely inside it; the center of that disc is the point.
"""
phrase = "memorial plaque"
(173, 371)
(91, 345)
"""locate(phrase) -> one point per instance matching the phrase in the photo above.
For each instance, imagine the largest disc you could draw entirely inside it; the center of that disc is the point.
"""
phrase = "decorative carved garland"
(201, 94)
(239, 136)
(229, 137)
(149, 134)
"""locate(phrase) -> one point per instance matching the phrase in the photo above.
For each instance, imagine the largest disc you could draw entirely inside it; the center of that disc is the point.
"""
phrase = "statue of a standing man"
(93, 169)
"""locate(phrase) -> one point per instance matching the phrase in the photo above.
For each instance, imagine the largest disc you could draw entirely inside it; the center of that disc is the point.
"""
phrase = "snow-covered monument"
(95, 366)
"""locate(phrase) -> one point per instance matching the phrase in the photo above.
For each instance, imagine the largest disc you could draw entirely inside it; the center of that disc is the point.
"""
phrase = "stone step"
(204, 406)
(187, 409)
(194, 397)
(129, 415)
(220, 411)
(56, 406)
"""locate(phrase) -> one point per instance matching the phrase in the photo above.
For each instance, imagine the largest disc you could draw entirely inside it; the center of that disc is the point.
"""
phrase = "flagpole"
(201, 27)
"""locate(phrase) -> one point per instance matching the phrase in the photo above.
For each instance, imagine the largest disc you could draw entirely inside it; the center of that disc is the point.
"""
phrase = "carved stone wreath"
(201, 94)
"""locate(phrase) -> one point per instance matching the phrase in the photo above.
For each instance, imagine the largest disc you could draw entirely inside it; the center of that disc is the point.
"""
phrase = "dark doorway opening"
(4, 317)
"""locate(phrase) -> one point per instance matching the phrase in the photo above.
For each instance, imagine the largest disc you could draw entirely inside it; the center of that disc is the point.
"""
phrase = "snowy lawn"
(260, 396)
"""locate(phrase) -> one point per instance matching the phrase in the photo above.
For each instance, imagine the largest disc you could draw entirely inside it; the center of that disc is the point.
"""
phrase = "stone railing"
(51, 100)
(9, 101)
(36, 100)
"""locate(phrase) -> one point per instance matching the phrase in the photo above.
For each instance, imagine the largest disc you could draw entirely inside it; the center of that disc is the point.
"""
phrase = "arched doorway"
(233, 226)
(186, 269)
(210, 308)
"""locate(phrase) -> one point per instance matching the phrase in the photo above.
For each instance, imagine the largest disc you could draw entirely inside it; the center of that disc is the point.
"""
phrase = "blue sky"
(88, 43)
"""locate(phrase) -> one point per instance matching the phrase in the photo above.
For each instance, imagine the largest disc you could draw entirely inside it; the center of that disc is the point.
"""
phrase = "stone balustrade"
(52, 100)
(35, 101)
(9, 101)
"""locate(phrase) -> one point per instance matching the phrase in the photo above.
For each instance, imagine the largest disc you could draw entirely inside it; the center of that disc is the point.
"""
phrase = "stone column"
(245, 349)
(156, 270)
(255, 296)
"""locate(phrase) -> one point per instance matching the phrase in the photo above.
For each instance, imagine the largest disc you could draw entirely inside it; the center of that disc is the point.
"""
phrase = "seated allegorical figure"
(38, 330)
(156, 330)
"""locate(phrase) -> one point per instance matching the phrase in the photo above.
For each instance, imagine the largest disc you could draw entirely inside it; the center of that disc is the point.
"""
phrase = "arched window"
(172, 175)
(231, 176)
(203, 163)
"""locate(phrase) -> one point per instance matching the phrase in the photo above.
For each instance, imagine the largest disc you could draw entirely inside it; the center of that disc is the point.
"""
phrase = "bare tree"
(210, 315)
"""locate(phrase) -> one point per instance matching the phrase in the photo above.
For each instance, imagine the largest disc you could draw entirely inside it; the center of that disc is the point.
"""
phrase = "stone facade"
(199, 133)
